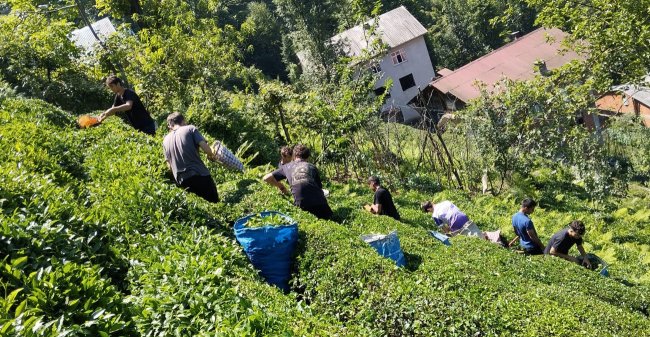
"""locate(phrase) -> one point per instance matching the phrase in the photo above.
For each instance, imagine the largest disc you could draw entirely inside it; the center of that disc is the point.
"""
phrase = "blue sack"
(443, 238)
(269, 248)
(387, 246)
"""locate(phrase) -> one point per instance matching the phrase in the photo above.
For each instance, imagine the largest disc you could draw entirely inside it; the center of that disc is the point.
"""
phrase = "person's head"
(576, 229)
(174, 119)
(528, 206)
(301, 152)
(114, 83)
(286, 153)
(374, 183)
(427, 207)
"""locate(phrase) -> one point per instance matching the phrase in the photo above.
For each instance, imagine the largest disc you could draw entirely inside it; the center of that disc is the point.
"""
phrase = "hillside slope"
(97, 241)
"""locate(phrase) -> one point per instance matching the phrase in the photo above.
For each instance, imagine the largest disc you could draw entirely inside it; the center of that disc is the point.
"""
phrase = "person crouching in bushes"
(525, 229)
(304, 179)
(383, 202)
(562, 241)
(450, 219)
(181, 147)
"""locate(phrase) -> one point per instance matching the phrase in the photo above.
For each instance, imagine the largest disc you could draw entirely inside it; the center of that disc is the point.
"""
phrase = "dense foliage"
(96, 240)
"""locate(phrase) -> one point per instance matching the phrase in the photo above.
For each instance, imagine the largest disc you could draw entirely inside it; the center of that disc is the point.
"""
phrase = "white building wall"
(417, 63)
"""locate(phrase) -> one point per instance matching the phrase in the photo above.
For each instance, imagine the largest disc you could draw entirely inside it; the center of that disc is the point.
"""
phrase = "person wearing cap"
(304, 179)
(127, 101)
(181, 147)
(383, 202)
(450, 219)
(525, 229)
(562, 241)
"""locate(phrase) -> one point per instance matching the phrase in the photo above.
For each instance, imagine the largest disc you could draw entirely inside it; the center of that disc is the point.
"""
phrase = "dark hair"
(301, 151)
(175, 118)
(426, 206)
(286, 151)
(528, 203)
(112, 79)
(578, 227)
(374, 180)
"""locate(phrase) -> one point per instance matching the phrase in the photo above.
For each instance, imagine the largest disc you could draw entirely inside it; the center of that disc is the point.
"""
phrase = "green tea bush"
(64, 299)
(96, 239)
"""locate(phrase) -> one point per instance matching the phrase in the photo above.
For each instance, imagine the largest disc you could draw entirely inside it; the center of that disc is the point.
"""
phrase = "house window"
(407, 82)
(380, 91)
(398, 56)
(375, 68)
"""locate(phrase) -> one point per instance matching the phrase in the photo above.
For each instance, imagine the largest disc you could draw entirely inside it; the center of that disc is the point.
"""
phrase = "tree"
(615, 34)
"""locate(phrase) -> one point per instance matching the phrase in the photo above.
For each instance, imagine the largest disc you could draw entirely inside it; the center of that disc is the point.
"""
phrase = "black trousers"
(202, 186)
(320, 211)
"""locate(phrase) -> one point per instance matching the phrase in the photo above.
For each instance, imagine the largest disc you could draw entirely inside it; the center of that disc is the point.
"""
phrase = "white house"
(407, 61)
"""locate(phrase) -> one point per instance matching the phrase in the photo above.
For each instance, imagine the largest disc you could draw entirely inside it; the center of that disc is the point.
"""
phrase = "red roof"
(514, 61)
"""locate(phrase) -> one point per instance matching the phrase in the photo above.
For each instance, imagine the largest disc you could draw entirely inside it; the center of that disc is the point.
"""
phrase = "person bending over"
(181, 147)
(305, 182)
(127, 101)
(562, 241)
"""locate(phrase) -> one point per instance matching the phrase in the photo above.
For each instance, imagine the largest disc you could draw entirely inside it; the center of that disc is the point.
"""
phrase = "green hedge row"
(95, 239)
(473, 287)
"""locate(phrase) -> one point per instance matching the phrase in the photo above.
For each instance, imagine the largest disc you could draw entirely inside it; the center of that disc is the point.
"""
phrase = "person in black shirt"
(562, 241)
(383, 203)
(304, 179)
(127, 101)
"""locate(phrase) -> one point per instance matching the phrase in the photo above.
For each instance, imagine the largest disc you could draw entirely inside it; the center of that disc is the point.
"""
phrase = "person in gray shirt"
(181, 146)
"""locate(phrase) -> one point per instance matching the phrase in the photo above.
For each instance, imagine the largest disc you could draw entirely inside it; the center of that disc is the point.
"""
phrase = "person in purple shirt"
(525, 230)
(450, 219)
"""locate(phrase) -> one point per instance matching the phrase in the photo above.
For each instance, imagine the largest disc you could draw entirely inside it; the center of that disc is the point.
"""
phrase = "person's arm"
(375, 208)
(270, 179)
(513, 241)
(208, 150)
(585, 260)
(554, 252)
(115, 109)
(533, 236)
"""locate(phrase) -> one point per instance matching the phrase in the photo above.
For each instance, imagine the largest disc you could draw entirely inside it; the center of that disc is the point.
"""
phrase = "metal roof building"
(513, 61)
(395, 27)
(85, 39)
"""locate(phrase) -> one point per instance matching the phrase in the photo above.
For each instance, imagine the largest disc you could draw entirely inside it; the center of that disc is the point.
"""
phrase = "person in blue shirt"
(525, 230)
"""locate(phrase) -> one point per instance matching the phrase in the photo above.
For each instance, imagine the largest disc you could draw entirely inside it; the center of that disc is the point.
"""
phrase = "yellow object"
(87, 121)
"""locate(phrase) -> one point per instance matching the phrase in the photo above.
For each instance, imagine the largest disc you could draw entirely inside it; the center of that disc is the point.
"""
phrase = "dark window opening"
(407, 82)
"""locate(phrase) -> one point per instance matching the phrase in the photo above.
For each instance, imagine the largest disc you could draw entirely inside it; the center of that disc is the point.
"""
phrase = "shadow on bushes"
(413, 261)
(243, 189)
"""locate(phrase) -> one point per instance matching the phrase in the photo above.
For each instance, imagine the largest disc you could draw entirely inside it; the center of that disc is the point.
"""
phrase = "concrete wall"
(417, 63)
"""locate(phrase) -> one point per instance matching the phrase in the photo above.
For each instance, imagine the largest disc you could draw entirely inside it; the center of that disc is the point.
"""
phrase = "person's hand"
(102, 116)
(586, 263)
(284, 191)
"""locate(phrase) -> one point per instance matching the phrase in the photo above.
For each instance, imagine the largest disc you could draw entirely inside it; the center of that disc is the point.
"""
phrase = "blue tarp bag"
(269, 248)
(387, 246)
(443, 238)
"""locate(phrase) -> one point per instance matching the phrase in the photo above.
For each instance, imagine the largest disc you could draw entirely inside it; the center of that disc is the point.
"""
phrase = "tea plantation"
(96, 240)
